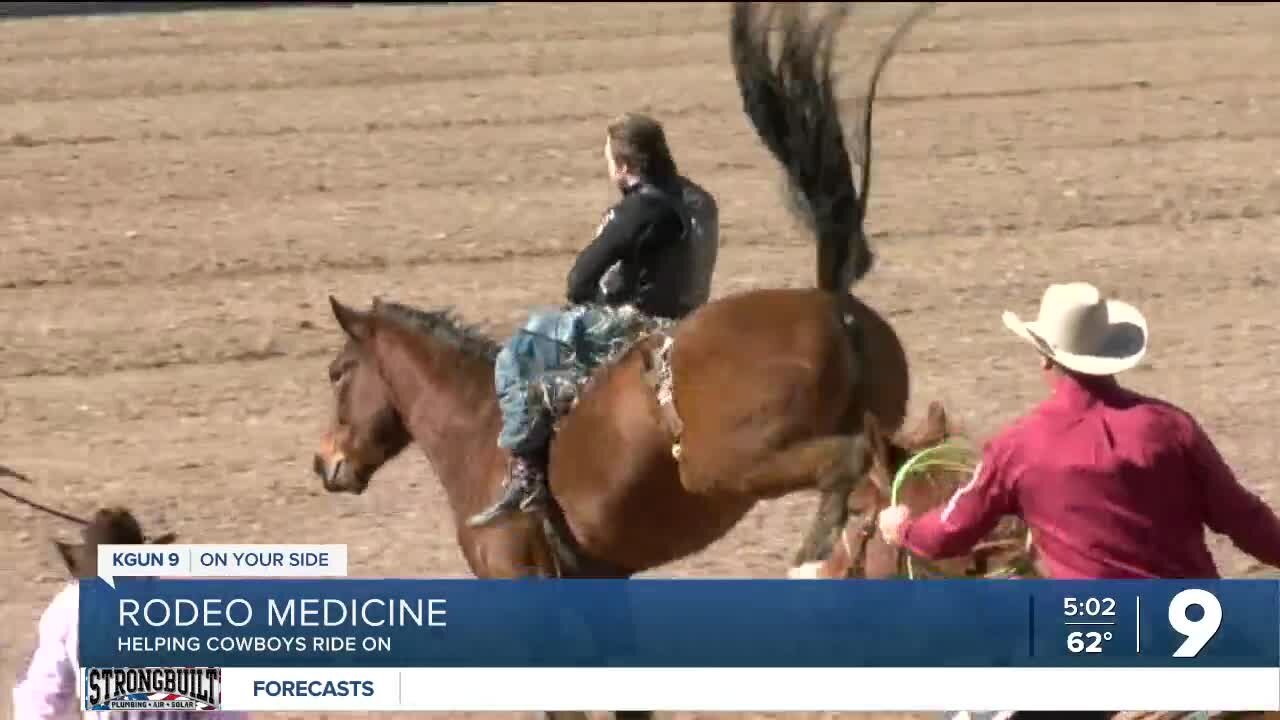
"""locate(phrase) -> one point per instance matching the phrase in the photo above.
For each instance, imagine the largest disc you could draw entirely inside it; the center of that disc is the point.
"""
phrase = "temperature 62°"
(1090, 642)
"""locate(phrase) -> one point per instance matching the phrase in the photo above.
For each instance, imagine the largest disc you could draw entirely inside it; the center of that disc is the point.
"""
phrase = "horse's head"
(890, 453)
(932, 466)
(924, 486)
(366, 430)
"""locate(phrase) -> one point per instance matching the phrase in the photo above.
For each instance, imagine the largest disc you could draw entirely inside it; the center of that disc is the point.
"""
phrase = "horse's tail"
(792, 104)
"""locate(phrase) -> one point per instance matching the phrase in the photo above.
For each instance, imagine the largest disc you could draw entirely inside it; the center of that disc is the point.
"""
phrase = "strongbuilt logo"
(186, 688)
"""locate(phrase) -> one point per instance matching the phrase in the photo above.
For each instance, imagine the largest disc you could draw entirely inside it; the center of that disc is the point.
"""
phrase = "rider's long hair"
(639, 142)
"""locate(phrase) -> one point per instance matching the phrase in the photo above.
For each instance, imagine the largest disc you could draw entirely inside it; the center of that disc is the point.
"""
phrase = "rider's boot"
(525, 489)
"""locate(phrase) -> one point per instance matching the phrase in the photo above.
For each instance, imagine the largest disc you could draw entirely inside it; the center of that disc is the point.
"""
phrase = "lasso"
(947, 455)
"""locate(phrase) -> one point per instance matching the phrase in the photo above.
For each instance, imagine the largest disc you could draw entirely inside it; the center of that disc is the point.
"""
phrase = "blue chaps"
(546, 342)
(568, 342)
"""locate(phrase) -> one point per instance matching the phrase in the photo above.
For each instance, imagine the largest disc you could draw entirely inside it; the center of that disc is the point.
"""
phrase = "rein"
(9, 472)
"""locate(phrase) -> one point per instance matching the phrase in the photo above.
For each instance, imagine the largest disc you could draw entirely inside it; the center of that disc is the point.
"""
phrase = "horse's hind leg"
(833, 465)
(834, 487)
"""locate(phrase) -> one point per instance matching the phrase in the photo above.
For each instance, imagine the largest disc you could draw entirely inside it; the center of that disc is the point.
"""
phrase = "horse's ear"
(935, 426)
(353, 322)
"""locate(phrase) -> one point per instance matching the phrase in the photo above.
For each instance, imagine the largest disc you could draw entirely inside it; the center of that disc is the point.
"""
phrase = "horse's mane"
(444, 325)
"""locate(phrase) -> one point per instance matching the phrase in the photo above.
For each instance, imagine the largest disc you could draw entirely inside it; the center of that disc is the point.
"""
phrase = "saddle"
(613, 332)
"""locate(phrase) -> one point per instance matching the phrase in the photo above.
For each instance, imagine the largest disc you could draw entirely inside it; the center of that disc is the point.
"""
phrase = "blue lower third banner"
(709, 645)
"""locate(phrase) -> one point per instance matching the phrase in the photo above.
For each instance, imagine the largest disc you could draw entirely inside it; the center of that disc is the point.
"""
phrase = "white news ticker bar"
(767, 689)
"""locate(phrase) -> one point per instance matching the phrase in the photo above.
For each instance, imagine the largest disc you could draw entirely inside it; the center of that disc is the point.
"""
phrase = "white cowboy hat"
(1083, 331)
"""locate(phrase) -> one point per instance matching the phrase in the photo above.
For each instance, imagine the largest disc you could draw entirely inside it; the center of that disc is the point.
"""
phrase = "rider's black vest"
(669, 273)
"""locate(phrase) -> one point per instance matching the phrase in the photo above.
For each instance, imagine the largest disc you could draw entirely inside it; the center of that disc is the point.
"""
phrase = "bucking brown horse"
(752, 397)
(763, 393)
(768, 389)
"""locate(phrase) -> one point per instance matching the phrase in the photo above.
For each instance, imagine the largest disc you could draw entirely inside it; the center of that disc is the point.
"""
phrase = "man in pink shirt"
(1113, 484)
(51, 687)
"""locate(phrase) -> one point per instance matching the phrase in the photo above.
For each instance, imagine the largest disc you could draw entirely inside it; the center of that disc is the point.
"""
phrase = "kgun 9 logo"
(1101, 611)
(1198, 632)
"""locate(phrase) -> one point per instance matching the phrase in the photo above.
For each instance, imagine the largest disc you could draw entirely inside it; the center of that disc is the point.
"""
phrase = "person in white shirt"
(50, 690)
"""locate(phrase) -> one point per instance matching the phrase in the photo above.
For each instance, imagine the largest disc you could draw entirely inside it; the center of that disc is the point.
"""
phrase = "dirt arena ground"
(179, 193)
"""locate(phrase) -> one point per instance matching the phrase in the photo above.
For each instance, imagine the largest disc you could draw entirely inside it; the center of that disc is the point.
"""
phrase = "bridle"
(857, 562)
